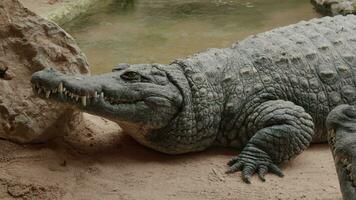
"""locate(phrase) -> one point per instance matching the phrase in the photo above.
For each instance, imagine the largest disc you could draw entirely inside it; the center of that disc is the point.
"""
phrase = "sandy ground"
(98, 162)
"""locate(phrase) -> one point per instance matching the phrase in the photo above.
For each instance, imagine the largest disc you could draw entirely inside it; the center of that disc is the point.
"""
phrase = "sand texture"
(100, 163)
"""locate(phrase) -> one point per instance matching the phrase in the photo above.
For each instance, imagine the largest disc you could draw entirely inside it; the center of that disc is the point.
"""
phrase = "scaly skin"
(342, 139)
(335, 7)
(268, 95)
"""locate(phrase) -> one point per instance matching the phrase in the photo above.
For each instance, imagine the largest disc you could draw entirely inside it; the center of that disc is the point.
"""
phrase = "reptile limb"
(282, 131)
(341, 124)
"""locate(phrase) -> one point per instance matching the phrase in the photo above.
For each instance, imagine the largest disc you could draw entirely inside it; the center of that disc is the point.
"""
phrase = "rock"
(335, 7)
(5, 73)
(3, 70)
(92, 134)
(29, 43)
(22, 190)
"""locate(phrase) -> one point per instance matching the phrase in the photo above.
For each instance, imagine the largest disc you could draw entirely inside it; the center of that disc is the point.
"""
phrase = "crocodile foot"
(253, 160)
(341, 123)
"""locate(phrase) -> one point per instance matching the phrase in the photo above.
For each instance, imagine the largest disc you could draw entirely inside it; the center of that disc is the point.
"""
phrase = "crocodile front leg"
(282, 131)
(341, 123)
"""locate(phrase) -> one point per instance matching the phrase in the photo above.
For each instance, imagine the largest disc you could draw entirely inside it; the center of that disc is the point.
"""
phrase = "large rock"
(335, 7)
(29, 43)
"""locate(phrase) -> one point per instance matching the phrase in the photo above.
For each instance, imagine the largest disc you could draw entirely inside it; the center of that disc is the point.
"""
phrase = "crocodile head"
(140, 98)
(152, 103)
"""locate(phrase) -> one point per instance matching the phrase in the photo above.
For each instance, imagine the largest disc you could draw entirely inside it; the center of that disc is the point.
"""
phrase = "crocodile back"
(311, 63)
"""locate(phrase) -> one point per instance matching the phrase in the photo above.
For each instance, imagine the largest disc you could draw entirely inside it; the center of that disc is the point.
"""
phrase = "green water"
(159, 31)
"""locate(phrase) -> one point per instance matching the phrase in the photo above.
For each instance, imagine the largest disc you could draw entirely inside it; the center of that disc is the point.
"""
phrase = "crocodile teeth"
(48, 93)
(60, 88)
(84, 100)
(95, 94)
(39, 91)
(102, 95)
(76, 97)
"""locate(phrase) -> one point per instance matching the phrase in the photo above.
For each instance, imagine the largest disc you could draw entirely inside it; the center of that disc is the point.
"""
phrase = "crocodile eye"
(131, 76)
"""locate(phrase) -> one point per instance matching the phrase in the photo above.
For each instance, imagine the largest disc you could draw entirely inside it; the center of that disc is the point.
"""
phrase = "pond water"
(159, 31)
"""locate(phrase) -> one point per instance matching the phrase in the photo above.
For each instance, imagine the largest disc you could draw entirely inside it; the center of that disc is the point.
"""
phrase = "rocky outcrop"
(335, 7)
(29, 43)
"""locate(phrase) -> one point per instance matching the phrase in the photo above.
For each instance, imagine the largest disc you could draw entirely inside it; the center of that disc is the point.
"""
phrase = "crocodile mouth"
(79, 98)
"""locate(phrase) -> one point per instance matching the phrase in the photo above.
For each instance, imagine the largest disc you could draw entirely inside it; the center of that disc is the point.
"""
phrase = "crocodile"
(341, 124)
(335, 7)
(267, 95)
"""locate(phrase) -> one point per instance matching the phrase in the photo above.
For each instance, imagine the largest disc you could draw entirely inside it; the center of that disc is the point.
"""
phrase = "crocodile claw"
(252, 165)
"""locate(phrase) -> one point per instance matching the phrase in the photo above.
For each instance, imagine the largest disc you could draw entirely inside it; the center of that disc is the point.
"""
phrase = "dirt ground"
(101, 163)
(98, 162)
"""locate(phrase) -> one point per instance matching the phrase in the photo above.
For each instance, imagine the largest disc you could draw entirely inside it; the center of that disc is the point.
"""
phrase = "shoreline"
(61, 11)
